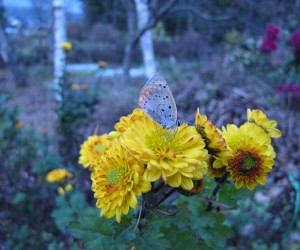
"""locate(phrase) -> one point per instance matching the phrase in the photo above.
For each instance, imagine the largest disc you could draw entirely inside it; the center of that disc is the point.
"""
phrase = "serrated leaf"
(95, 232)
(123, 230)
(182, 240)
(90, 224)
(63, 217)
(77, 200)
(229, 195)
(152, 240)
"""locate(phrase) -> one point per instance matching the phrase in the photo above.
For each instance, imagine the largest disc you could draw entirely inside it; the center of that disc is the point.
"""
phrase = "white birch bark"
(146, 41)
(3, 45)
(59, 57)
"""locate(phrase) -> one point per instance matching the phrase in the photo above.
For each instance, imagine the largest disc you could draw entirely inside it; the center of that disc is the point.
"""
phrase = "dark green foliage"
(26, 199)
(75, 112)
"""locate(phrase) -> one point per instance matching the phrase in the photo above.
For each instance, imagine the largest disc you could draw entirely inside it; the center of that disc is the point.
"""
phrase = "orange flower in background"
(102, 64)
(75, 87)
(45, 131)
(66, 46)
(85, 87)
(19, 124)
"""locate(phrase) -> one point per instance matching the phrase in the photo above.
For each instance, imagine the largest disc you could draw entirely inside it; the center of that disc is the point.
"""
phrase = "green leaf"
(63, 217)
(229, 195)
(19, 198)
(182, 240)
(95, 232)
(77, 200)
(124, 230)
(152, 240)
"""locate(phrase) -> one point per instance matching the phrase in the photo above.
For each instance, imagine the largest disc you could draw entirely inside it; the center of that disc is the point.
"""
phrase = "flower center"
(245, 162)
(162, 140)
(248, 162)
(114, 175)
(99, 148)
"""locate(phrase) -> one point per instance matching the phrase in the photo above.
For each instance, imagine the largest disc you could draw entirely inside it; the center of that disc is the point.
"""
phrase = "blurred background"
(68, 67)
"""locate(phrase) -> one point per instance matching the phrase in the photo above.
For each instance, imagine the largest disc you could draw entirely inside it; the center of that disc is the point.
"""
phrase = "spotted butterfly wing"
(158, 102)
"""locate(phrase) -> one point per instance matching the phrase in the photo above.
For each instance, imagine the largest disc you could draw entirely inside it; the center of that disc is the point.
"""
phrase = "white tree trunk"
(59, 57)
(3, 45)
(146, 42)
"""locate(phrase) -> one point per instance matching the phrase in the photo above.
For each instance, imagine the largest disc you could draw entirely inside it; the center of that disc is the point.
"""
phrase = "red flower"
(295, 42)
(288, 87)
(295, 39)
(268, 46)
(270, 38)
(272, 32)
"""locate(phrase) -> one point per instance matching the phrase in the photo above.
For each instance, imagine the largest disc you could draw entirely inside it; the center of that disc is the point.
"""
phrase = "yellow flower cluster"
(63, 177)
(66, 46)
(58, 175)
(141, 152)
(130, 161)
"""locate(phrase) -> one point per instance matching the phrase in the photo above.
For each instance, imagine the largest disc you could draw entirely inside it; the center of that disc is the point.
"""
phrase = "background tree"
(7, 52)
(59, 38)
(146, 42)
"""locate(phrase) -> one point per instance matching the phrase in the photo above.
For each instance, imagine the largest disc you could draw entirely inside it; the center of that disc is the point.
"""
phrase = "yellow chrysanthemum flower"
(102, 64)
(92, 149)
(19, 124)
(117, 181)
(58, 175)
(252, 155)
(75, 87)
(67, 46)
(260, 119)
(178, 156)
(215, 144)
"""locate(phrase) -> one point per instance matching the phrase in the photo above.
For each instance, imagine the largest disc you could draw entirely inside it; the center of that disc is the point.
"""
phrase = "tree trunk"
(7, 54)
(134, 36)
(59, 57)
(146, 42)
(129, 48)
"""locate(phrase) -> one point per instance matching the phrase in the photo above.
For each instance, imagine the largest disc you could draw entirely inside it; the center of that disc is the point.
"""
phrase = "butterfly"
(157, 101)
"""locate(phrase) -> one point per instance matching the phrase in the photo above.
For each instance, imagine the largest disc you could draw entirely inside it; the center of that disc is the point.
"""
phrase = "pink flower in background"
(268, 46)
(290, 94)
(272, 32)
(270, 38)
(295, 42)
(288, 87)
(295, 39)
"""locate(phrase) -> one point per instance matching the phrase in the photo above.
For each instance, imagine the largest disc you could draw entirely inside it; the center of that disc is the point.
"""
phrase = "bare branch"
(153, 21)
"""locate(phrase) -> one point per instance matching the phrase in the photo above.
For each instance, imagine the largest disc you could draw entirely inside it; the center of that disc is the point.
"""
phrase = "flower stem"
(165, 196)
(220, 183)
